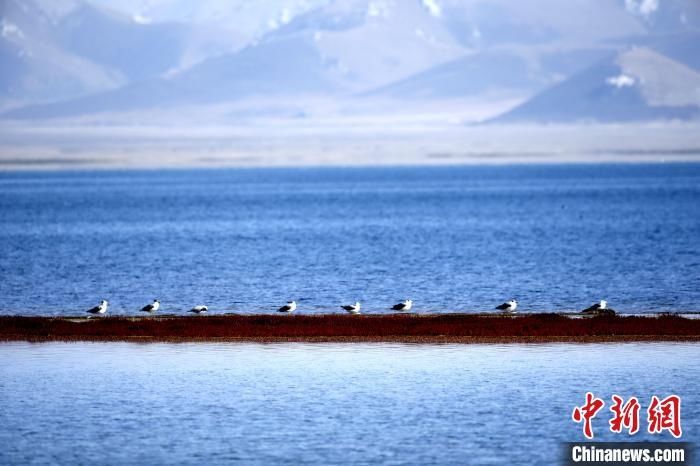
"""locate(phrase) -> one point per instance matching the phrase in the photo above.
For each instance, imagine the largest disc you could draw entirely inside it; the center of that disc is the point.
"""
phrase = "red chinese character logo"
(587, 412)
(665, 415)
(626, 415)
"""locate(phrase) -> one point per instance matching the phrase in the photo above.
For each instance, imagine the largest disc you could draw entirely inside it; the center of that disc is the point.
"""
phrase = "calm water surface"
(451, 238)
(122, 403)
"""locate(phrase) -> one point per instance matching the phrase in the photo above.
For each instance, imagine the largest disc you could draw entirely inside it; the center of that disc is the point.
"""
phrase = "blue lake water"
(121, 403)
(450, 238)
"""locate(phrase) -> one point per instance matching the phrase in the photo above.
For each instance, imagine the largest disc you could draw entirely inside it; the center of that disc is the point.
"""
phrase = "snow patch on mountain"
(620, 81)
(10, 30)
(433, 7)
(141, 19)
(644, 8)
(378, 9)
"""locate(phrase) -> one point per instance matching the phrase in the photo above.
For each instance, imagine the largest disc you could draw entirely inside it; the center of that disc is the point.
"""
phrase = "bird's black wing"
(399, 307)
(503, 307)
(147, 308)
(284, 309)
(94, 310)
(347, 308)
(595, 307)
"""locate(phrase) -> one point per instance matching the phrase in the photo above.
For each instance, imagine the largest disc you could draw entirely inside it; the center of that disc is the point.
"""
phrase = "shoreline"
(57, 165)
(341, 328)
(59, 146)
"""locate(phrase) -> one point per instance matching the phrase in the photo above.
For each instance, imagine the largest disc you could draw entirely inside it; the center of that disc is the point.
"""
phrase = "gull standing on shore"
(151, 308)
(352, 308)
(404, 306)
(201, 309)
(508, 306)
(101, 309)
(600, 308)
(289, 307)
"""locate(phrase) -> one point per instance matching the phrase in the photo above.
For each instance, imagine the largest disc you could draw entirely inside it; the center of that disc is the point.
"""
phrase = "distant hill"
(62, 49)
(491, 70)
(253, 71)
(638, 84)
(36, 65)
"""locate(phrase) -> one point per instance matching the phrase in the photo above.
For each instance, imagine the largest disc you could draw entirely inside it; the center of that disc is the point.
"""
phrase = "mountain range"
(580, 60)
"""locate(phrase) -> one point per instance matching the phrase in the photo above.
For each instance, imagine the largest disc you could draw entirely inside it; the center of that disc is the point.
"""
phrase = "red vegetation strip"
(418, 328)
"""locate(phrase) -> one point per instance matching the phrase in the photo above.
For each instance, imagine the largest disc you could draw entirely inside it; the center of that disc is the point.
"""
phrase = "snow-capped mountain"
(108, 56)
(250, 18)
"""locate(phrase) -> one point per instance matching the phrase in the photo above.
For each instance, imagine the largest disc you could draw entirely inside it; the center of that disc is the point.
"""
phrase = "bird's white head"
(104, 302)
(603, 304)
(357, 304)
